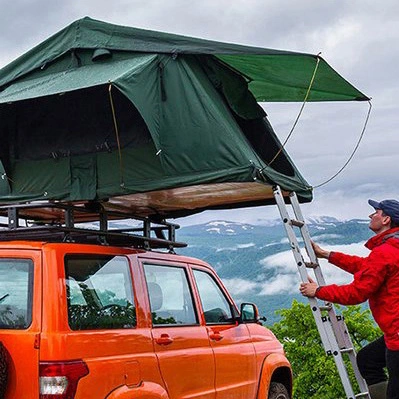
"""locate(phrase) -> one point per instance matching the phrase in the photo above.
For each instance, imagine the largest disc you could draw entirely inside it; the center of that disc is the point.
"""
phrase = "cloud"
(281, 284)
(287, 278)
(237, 286)
(281, 261)
(320, 237)
(236, 247)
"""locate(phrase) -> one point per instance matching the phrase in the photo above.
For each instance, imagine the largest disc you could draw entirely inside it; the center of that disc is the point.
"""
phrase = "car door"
(181, 344)
(235, 360)
(97, 315)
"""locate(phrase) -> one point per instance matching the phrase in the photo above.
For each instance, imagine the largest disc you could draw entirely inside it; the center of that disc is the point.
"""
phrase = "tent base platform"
(178, 202)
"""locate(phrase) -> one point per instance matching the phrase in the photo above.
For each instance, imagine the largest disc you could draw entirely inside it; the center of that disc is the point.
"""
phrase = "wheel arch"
(283, 375)
(275, 368)
(145, 390)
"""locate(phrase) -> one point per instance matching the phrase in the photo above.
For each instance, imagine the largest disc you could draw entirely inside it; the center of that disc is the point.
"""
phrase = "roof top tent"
(155, 124)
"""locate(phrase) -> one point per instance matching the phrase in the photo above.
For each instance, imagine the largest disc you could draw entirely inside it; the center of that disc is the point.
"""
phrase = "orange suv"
(90, 321)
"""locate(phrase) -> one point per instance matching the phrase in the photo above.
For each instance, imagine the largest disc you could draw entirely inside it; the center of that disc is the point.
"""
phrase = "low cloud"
(287, 279)
(237, 286)
(281, 261)
(236, 247)
(281, 284)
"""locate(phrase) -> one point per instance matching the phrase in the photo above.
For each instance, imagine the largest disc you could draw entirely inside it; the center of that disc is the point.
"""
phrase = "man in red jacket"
(376, 279)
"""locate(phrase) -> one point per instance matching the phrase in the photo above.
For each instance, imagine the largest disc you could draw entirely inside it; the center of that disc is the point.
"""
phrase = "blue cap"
(390, 207)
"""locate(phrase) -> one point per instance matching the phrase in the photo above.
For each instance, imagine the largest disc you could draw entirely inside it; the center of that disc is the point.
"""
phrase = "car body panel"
(212, 361)
(23, 344)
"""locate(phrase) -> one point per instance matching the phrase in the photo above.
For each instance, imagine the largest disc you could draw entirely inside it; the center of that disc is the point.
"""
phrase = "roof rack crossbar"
(64, 221)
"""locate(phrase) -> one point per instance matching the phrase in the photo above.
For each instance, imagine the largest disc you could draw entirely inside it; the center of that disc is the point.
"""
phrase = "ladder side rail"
(307, 239)
(329, 345)
(332, 329)
(293, 241)
(337, 322)
(363, 387)
(305, 231)
(302, 271)
(340, 330)
(323, 326)
(340, 364)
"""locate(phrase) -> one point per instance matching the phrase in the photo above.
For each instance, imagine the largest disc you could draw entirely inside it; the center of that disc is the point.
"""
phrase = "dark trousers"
(373, 359)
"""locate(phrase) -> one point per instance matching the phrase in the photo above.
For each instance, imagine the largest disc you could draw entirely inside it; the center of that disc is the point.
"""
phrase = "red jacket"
(376, 278)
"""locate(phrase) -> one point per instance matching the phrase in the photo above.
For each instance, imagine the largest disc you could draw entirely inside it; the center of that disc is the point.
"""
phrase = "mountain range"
(256, 263)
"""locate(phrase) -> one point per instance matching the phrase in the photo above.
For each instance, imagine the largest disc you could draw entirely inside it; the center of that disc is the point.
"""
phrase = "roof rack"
(64, 222)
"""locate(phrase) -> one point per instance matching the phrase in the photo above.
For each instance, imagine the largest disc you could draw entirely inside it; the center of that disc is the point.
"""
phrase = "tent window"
(260, 134)
(75, 123)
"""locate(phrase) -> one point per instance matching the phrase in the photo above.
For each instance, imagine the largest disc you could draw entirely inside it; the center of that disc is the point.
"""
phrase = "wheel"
(278, 391)
(3, 370)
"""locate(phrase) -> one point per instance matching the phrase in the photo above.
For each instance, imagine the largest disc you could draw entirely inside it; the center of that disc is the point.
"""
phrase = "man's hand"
(308, 289)
(320, 252)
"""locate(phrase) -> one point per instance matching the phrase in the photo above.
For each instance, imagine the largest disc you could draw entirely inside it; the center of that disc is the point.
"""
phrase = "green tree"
(315, 373)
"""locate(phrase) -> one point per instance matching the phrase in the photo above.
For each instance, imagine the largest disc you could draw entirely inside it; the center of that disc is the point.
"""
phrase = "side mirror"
(249, 313)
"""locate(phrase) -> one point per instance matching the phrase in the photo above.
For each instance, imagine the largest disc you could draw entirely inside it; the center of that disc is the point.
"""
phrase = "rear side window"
(16, 291)
(169, 294)
(99, 293)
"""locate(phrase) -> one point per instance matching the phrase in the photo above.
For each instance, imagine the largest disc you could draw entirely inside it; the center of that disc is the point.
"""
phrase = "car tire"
(278, 391)
(3, 370)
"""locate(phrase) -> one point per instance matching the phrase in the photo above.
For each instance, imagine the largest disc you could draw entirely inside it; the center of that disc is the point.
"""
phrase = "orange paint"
(136, 359)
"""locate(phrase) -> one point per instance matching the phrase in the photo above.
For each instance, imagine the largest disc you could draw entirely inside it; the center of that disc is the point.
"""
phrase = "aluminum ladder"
(332, 328)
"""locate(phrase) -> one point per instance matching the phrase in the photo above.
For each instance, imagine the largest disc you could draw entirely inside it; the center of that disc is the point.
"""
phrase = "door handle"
(164, 339)
(215, 336)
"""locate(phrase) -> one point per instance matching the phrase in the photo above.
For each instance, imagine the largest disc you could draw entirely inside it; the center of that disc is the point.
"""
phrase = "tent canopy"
(155, 123)
(273, 75)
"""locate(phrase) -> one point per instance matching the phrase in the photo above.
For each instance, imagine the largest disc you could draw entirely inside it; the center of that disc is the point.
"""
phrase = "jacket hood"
(390, 236)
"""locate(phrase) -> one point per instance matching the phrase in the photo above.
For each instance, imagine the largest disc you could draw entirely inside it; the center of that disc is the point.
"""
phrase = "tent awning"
(277, 78)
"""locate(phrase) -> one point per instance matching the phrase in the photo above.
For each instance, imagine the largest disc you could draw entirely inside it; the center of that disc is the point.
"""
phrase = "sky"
(358, 38)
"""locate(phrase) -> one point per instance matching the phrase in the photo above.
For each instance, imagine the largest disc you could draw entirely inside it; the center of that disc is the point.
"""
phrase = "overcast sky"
(359, 38)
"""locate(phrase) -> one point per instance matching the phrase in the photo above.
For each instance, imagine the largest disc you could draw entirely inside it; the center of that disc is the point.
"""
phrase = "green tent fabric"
(73, 79)
(158, 124)
(274, 75)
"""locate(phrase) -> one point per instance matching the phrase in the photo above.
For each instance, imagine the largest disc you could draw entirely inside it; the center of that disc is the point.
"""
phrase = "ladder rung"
(311, 265)
(326, 307)
(346, 350)
(362, 394)
(297, 223)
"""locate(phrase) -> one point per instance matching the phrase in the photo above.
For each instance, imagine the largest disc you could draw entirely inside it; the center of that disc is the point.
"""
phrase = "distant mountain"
(255, 261)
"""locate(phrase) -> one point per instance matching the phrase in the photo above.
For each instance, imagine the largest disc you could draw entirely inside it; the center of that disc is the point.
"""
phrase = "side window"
(16, 292)
(99, 292)
(216, 307)
(170, 298)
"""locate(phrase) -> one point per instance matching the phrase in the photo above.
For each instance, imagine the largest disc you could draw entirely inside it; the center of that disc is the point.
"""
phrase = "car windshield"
(16, 282)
